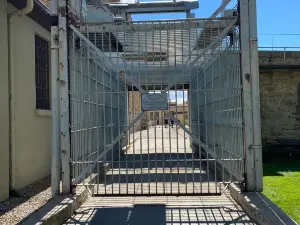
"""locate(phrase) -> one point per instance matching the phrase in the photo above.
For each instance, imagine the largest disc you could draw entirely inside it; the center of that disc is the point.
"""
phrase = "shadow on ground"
(159, 214)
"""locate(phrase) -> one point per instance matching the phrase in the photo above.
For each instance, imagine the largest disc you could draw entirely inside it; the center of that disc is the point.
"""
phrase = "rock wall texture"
(280, 104)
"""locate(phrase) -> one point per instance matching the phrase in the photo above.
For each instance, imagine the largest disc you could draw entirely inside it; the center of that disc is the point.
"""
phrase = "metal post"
(257, 148)
(64, 97)
(247, 96)
(55, 161)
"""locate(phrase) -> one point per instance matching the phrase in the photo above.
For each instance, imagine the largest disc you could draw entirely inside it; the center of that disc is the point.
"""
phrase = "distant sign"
(153, 101)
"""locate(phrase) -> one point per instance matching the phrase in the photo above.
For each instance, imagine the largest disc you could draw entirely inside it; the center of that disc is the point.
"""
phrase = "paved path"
(160, 211)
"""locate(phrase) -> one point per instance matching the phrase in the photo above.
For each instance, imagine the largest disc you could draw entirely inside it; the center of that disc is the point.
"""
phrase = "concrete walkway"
(160, 210)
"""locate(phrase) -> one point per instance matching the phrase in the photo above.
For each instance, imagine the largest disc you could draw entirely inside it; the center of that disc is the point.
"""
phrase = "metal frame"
(64, 97)
(206, 58)
(251, 100)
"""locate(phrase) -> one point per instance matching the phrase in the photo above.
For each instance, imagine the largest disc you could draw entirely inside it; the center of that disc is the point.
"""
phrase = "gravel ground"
(16, 209)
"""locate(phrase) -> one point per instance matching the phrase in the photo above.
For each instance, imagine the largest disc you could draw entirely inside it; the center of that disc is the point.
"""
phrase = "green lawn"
(282, 185)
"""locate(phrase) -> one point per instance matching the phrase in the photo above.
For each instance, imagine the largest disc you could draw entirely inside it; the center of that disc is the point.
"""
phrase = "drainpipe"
(11, 78)
(56, 156)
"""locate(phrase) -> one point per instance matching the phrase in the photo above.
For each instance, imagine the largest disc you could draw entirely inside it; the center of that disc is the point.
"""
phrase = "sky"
(278, 21)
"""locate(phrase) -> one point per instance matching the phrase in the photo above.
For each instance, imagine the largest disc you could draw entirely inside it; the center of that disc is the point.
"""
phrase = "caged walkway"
(168, 175)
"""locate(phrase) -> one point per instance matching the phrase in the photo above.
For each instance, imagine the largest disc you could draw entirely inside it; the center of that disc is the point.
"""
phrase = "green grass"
(282, 185)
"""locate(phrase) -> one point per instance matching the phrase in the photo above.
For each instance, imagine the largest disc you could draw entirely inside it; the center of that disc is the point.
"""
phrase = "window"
(42, 86)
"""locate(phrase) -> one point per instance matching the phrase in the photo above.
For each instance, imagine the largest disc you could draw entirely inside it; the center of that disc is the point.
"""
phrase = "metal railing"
(283, 55)
(273, 41)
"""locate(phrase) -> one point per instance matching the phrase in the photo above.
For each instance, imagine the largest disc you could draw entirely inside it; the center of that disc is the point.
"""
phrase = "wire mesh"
(98, 106)
(154, 52)
(216, 102)
(112, 64)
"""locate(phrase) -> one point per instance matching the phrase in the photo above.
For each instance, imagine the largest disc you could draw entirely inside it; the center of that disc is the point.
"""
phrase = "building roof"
(40, 14)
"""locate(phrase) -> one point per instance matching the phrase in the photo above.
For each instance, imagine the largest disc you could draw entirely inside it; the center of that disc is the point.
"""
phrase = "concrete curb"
(59, 209)
(260, 208)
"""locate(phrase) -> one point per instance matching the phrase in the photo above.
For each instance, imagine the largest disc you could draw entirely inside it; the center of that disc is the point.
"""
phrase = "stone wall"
(278, 59)
(280, 104)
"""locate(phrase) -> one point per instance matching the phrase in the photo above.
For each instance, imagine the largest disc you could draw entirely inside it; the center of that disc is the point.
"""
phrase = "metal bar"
(153, 25)
(170, 149)
(74, 110)
(64, 99)
(184, 145)
(81, 110)
(180, 160)
(126, 154)
(148, 146)
(189, 102)
(89, 116)
(206, 132)
(238, 176)
(141, 137)
(56, 154)
(111, 117)
(163, 147)
(116, 68)
(213, 128)
(176, 112)
(109, 147)
(254, 68)
(119, 131)
(247, 94)
(130, 119)
(98, 119)
(209, 47)
(199, 126)
(221, 8)
(133, 142)
(228, 133)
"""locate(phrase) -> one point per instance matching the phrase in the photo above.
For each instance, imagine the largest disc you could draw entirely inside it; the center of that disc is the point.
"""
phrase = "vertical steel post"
(257, 148)
(55, 152)
(64, 97)
(247, 95)
(55, 158)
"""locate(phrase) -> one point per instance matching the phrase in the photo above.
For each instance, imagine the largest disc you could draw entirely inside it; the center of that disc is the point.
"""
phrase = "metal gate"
(156, 106)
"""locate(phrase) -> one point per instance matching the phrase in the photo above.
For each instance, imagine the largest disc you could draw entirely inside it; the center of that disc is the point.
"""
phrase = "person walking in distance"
(166, 122)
